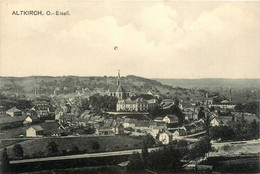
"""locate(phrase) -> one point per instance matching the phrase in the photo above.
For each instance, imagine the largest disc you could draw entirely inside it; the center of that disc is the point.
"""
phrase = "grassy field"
(101, 169)
(5, 143)
(14, 133)
(234, 164)
(84, 144)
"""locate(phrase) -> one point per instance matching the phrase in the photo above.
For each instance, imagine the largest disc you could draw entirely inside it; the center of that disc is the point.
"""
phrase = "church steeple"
(118, 78)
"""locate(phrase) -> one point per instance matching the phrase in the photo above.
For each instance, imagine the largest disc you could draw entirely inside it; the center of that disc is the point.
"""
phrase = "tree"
(105, 103)
(239, 107)
(177, 111)
(223, 132)
(166, 159)
(149, 140)
(253, 129)
(205, 143)
(145, 153)
(212, 109)
(5, 162)
(135, 162)
(18, 151)
(201, 113)
(200, 149)
(52, 148)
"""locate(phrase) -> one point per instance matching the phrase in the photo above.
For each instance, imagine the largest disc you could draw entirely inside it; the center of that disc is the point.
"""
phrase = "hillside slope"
(70, 84)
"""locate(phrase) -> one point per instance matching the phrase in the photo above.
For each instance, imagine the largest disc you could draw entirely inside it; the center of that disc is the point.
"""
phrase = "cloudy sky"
(155, 39)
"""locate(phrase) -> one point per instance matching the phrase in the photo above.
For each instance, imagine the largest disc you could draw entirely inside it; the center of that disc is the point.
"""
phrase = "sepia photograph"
(129, 86)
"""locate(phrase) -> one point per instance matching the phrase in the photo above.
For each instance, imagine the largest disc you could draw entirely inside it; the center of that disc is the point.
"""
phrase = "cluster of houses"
(14, 118)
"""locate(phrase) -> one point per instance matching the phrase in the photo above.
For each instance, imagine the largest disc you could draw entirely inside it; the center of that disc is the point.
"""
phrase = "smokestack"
(230, 95)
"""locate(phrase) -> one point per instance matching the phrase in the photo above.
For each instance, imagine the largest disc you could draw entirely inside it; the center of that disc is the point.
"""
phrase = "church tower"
(118, 78)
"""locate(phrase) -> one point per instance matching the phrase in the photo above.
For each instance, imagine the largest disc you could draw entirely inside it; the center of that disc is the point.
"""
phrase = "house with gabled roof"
(34, 131)
(31, 119)
(154, 94)
(14, 112)
(119, 129)
(215, 122)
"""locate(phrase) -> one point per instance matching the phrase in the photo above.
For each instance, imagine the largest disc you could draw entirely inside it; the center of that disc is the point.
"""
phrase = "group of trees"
(200, 149)
(166, 159)
(251, 107)
(17, 153)
(239, 130)
(9, 102)
(103, 103)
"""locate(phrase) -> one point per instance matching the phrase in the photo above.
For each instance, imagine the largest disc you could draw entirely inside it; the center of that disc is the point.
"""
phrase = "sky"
(155, 39)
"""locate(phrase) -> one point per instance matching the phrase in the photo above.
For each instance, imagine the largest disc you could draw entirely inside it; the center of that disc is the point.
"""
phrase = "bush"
(52, 148)
(18, 151)
(95, 146)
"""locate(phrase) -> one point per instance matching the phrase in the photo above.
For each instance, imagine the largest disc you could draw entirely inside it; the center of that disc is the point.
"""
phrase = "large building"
(128, 105)
(120, 91)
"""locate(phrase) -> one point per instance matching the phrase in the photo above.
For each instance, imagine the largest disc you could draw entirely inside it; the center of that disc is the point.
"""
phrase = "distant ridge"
(211, 82)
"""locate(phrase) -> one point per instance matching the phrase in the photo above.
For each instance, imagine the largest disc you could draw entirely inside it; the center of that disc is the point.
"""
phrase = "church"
(120, 91)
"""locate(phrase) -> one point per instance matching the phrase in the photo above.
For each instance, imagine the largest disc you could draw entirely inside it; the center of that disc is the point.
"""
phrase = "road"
(69, 136)
(92, 155)
(196, 134)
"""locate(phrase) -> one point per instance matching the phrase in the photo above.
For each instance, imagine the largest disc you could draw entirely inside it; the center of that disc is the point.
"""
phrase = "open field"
(236, 148)
(84, 145)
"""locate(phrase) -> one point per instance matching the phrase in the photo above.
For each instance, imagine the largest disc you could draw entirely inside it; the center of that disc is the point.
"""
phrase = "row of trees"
(236, 131)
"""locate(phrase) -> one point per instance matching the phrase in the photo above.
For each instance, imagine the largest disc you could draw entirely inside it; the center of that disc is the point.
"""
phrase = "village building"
(34, 131)
(142, 125)
(159, 119)
(31, 119)
(13, 112)
(215, 122)
(128, 122)
(171, 119)
(105, 131)
(119, 129)
(177, 132)
(2, 110)
(139, 104)
(155, 131)
(7, 121)
(152, 93)
(165, 137)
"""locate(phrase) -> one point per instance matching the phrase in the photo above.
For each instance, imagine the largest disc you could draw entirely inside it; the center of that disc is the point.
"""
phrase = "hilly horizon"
(184, 89)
